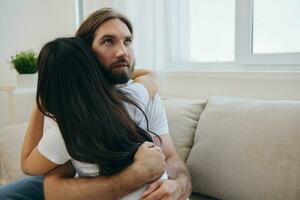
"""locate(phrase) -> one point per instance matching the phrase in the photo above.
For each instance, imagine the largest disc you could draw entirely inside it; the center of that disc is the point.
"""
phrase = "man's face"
(113, 47)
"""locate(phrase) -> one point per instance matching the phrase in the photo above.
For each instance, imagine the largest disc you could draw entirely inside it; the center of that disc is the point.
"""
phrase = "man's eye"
(127, 42)
(108, 42)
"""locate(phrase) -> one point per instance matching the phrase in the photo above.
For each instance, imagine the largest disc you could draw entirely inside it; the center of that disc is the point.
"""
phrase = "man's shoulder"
(155, 101)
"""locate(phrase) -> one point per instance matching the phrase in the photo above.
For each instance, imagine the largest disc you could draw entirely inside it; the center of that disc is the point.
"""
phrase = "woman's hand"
(147, 78)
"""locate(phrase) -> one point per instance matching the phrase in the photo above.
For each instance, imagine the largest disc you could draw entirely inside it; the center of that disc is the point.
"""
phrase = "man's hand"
(178, 186)
(162, 189)
(150, 161)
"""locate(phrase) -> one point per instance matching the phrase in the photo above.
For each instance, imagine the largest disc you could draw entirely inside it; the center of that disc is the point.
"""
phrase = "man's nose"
(121, 51)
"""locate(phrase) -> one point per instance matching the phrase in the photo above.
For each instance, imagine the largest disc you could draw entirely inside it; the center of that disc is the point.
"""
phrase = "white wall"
(263, 85)
(29, 25)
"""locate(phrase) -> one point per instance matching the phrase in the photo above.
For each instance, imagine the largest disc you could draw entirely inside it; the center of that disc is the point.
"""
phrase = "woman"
(96, 126)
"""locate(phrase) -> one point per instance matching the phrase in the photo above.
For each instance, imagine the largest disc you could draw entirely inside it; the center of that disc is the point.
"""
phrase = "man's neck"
(123, 85)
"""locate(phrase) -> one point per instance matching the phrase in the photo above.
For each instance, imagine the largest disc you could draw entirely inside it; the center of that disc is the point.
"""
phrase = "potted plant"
(25, 63)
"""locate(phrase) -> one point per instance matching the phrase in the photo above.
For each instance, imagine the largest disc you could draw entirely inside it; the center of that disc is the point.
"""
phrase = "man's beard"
(118, 77)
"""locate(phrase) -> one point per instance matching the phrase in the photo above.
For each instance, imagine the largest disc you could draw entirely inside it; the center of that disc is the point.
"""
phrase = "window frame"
(244, 59)
(244, 26)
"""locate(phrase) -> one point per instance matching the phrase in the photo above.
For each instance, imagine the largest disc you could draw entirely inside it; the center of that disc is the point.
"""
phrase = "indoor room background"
(199, 47)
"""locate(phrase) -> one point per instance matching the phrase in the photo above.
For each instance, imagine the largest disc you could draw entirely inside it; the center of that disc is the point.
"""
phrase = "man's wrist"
(138, 174)
(183, 185)
(129, 179)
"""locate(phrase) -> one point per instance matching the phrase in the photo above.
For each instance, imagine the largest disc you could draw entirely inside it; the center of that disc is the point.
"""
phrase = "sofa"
(235, 148)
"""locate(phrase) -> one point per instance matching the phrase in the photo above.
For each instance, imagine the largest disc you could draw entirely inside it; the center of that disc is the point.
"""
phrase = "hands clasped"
(151, 161)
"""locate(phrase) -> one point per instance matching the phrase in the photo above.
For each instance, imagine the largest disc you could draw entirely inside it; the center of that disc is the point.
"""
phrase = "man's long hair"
(89, 26)
(89, 111)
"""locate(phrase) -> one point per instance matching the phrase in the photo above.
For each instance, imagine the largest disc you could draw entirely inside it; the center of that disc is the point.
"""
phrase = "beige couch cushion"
(11, 138)
(247, 149)
(183, 117)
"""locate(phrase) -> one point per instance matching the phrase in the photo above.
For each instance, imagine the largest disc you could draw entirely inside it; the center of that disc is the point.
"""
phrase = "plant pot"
(26, 80)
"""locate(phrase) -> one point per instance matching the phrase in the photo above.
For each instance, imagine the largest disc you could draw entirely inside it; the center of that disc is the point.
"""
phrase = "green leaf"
(25, 62)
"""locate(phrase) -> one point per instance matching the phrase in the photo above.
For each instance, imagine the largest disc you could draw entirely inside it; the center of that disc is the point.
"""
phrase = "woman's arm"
(36, 164)
(32, 162)
(147, 78)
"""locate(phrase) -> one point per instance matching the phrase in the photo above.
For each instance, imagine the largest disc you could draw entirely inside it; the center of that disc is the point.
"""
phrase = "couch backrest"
(247, 149)
(183, 116)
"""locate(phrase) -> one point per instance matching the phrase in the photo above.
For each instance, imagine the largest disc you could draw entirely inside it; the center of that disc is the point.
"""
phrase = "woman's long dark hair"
(89, 111)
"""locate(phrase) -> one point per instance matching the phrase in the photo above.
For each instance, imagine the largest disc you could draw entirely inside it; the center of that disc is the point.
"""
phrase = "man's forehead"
(113, 28)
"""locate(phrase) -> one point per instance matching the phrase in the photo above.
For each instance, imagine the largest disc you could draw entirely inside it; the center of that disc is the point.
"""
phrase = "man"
(110, 36)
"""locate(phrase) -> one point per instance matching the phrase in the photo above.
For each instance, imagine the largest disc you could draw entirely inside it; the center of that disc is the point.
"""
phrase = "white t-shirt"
(53, 147)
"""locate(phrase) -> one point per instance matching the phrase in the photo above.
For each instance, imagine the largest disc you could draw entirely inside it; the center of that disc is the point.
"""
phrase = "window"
(233, 32)
(212, 30)
(278, 29)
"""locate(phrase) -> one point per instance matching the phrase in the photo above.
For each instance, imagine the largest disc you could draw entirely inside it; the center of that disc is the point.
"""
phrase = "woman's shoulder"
(49, 124)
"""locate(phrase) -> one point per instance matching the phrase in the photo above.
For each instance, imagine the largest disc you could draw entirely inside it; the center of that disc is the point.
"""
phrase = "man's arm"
(60, 184)
(179, 185)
